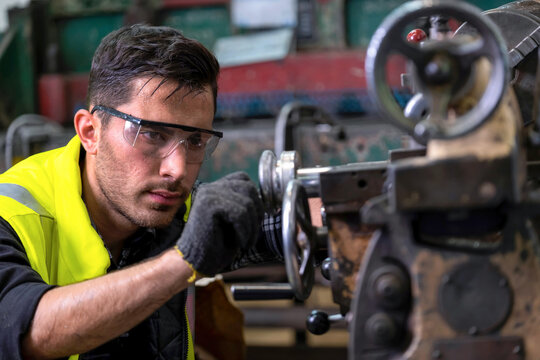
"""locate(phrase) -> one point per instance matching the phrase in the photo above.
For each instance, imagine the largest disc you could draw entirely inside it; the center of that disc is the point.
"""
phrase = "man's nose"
(174, 164)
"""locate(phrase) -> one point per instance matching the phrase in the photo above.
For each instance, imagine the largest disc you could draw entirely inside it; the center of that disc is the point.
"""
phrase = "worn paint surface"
(348, 243)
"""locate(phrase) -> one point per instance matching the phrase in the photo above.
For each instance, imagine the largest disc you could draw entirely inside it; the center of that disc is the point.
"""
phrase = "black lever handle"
(264, 291)
(318, 322)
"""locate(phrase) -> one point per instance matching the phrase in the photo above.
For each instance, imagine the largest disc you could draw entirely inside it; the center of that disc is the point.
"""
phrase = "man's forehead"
(166, 89)
(152, 86)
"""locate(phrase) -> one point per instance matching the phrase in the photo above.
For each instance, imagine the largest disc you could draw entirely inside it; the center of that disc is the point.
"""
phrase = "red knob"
(416, 35)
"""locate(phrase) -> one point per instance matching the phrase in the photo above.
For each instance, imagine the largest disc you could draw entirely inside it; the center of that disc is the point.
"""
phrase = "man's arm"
(76, 318)
(72, 319)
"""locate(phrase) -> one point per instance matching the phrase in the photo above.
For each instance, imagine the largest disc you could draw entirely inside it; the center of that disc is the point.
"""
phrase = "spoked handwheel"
(440, 67)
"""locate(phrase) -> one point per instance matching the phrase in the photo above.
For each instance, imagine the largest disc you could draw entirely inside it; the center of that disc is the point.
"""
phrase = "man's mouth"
(167, 198)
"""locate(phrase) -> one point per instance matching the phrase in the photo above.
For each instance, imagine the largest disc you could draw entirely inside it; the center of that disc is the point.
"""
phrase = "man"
(118, 194)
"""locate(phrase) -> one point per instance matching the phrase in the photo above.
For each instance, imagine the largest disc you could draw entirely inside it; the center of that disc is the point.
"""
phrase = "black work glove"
(224, 220)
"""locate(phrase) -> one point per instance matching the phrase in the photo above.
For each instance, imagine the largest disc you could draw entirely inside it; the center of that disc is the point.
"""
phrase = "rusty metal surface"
(489, 183)
(346, 188)
(522, 266)
(496, 138)
(430, 267)
(484, 348)
(517, 262)
(348, 240)
(486, 158)
(344, 191)
(470, 310)
(449, 179)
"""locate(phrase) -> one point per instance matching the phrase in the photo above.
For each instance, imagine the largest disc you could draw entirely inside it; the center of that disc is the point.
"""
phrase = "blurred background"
(272, 52)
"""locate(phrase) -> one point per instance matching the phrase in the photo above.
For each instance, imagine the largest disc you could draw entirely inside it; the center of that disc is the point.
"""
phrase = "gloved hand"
(224, 219)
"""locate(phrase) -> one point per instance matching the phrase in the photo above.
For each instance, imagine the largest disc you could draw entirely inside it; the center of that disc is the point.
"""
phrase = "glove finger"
(238, 182)
(244, 215)
(247, 189)
(224, 186)
(212, 196)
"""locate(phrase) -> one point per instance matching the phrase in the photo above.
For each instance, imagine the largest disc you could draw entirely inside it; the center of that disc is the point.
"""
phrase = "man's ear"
(87, 127)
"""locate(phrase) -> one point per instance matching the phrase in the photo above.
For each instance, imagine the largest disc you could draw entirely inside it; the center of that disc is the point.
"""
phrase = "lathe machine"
(434, 253)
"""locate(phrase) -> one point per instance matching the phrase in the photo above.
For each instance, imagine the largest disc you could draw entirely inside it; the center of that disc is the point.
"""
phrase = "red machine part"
(416, 36)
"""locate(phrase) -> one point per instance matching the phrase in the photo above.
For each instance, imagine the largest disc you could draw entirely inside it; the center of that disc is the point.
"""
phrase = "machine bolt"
(438, 71)
(473, 330)
(436, 354)
(390, 290)
(325, 268)
(424, 130)
(446, 279)
(487, 190)
(381, 328)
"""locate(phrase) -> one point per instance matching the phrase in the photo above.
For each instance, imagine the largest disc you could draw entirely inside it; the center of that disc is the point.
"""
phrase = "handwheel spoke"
(469, 53)
(411, 52)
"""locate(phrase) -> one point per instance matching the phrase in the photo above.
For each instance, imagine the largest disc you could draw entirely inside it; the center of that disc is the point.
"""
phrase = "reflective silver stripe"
(23, 196)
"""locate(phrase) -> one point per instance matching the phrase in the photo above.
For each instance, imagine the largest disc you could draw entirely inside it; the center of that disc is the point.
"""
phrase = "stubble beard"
(113, 180)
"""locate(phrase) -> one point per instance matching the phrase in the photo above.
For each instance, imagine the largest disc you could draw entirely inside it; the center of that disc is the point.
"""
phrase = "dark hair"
(148, 51)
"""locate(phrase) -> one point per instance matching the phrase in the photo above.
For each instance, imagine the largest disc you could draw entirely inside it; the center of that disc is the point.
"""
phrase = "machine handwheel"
(298, 239)
(440, 67)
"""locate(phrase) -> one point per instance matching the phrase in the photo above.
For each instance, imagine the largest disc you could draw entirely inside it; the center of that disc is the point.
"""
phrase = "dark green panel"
(17, 78)
(488, 4)
(204, 24)
(363, 17)
(86, 7)
(79, 38)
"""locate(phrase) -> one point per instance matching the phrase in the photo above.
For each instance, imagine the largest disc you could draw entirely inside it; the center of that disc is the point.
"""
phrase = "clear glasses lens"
(161, 141)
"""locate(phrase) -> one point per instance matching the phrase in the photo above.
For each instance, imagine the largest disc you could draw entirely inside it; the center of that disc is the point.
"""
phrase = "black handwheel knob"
(317, 322)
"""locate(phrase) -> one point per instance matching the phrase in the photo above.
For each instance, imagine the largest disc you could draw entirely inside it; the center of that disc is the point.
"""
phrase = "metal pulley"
(274, 175)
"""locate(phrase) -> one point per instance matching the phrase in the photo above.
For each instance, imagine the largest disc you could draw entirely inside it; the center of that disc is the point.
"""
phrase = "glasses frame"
(142, 122)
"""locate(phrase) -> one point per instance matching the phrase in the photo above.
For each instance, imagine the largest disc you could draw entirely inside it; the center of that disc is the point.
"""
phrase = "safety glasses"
(159, 140)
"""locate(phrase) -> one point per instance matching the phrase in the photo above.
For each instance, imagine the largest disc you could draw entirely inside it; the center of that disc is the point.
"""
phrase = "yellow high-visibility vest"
(41, 198)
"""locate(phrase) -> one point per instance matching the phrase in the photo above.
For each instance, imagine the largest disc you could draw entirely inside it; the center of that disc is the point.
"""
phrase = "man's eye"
(195, 141)
(153, 136)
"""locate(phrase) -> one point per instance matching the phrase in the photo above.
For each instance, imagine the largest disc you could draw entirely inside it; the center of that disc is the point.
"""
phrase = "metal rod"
(265, 291)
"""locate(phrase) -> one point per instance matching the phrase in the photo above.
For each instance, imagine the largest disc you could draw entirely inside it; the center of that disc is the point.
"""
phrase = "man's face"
(149, 190)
